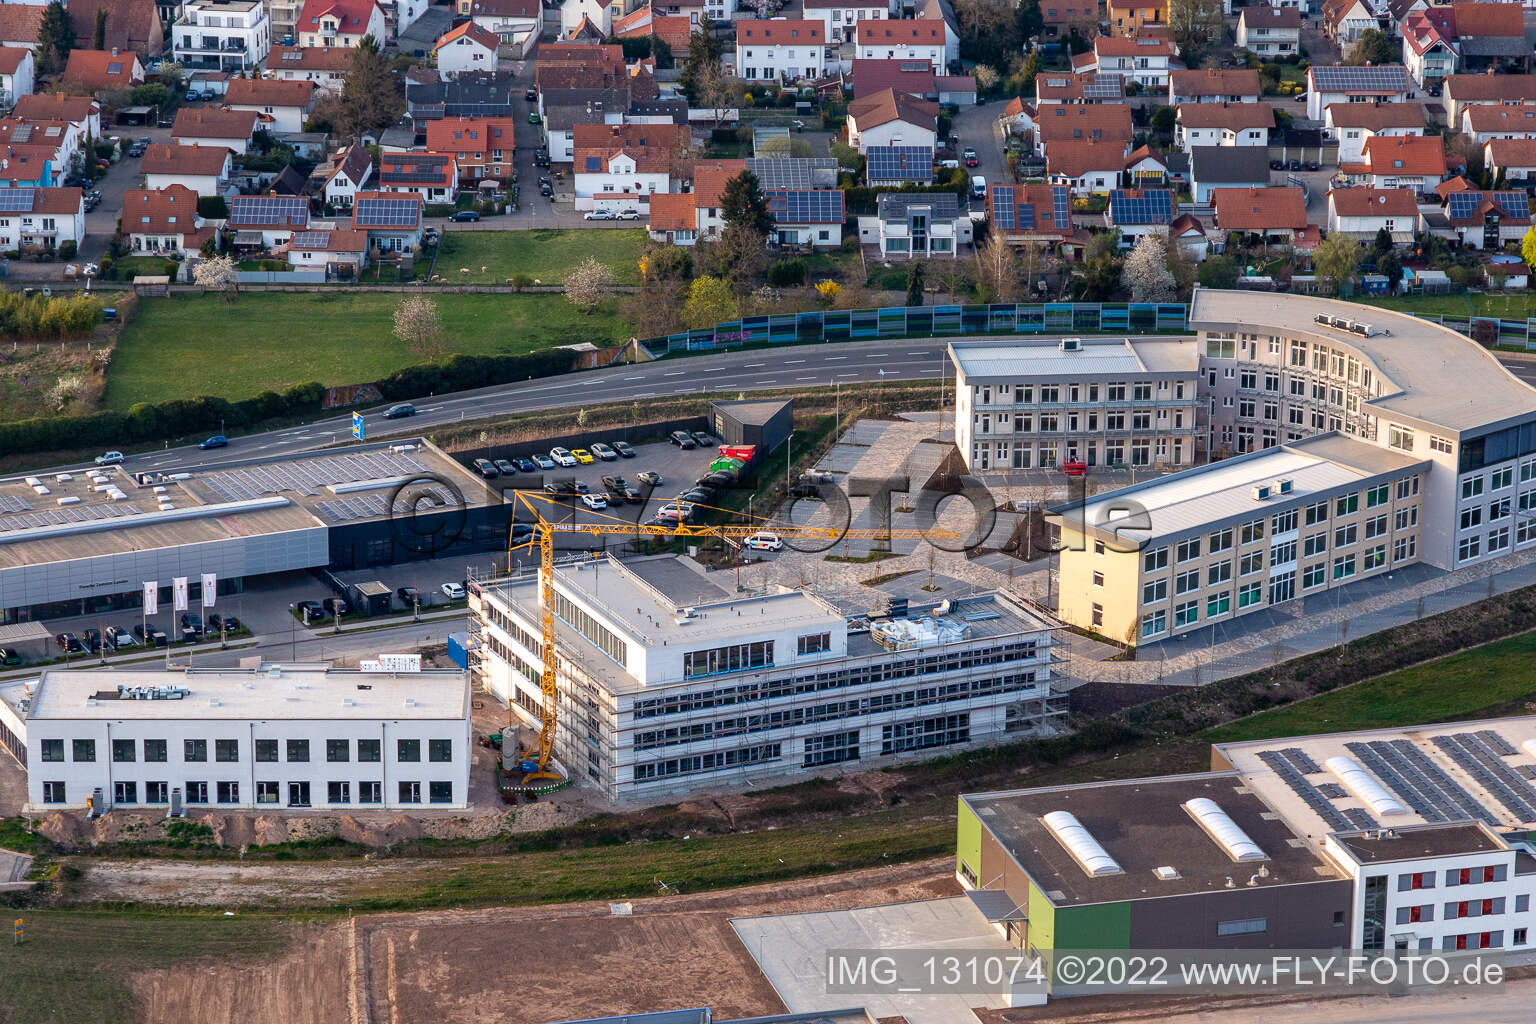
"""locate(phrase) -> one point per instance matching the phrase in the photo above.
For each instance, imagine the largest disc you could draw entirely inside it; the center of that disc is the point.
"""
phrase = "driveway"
(977, 127)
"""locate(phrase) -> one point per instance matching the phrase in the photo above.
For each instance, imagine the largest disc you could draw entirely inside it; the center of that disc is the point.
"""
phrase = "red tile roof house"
(42, 218)
(20, 24)
(1463, 91)
(344, 175)
(1043, 227)
(82, 111)
(1490, 220)
(1361, 212)
(674, 218)
(1354, 124)
(1087, 87)
(279, 106)
(481, 146)
(889, 118)
(709, 179)
(1269, 213)
(913, 78)
(1213, 85)
(326, 66)
(1515, 159)
(466, 48)
(341, 23)
(203, 169)
(1501, 122)
(620, 166)
(1406, 162)
(16, 73)
(208, 126)
(1065, 122)
(132, 25)
(340, 252)
(392, 225)
(432, 176)
(92, 71)
(1223, 124)
(1085, 166)
(164, 221)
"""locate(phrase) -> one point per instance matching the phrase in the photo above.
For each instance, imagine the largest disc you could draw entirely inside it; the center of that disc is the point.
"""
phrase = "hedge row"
(205, 415)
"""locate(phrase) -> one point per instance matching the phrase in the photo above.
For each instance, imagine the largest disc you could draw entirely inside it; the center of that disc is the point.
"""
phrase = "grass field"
(193, 345)
(1455, 687)
(1514, 307)
(71, 966)
(545, 255)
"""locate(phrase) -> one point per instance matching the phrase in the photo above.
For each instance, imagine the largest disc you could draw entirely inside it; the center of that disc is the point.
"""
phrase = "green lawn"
(1453, 687)
(191, 345)
(546, 255)
(1510, 307)
(129, 267)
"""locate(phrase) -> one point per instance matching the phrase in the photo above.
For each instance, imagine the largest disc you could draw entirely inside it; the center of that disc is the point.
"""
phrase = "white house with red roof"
(466, 48)
(341, 23)
(1355, 124)
(340, 252)
(515, 23)
(929, 39)
(204, 170)
(17, 73)
(344, 175)
(1512, 121)
(432, 176)
(279, 106)
(619, 166)
(780, 49)
(326, 67)
(1138, 59)
(1362, 212)
(164, 221)
(842, 17)
(599, 13)
(41, 217)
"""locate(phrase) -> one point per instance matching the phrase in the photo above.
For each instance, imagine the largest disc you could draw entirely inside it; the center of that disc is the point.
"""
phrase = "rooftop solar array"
(806, 207)
(1061, 203)
(66, 515)
(1003, 212)
(369, 506)
(425, 167)
(1291, 774)
(792, 172)
(15, 200)
(372, 213)
(1485, 765)
(292, 211)
(1419, 782)
(1332, 790)
(899, 163)
(14, 503)
(310, 476)
(1342, 78)
(1152, 206)
(318, 239)
(1462, 205)
(1104, 87)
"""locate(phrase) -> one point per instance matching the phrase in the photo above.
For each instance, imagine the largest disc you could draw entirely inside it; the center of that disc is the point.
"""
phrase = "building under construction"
(671, 679)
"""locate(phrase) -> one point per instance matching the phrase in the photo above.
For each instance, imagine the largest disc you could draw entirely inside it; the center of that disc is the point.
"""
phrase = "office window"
(1347, 505)
(1186, 614)
(1399, 437)
(338, 792)
(1283, 522)
(1343, 568)
(814, 643)
(197, 792)
(1374, 558)
(123, 750)
(1218, 604)
(1469, 547)
(410, 792)
(1221, 572)
(1251, 564)
(1221, 540)
(1314, 575)
(229, 792)
(1251, 532)
(154, 751)
(1188, 550)
(1316, 513)
(407, 750)
(1405, 518)
(266, 793)
(1377, 495)
(1184, 582)
(1152, 625)
(1250, 594)
(298, 750)
(368, 750)
(84, 750)
(370, 792)
(1346, 535)
(53, 793)
(1472, 487)
(52, 750)
(1471, 517)
(1155, 559)
(194, 750)
(337, 750)
(1247, 926)
(226, 750)
(1501, 478)
(440, 751)
(440, 792)
(266, 750)
(1154, 592)
(156, 793)
(1440, 444)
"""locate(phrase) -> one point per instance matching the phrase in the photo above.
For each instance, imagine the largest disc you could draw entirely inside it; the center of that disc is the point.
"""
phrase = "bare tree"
(718, 91)
(997, 272)
(588, 284)
(418, 325)
(218, 274)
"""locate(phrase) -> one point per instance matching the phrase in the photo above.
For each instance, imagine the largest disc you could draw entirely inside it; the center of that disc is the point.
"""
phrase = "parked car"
(486, 469)
(136, 150)
(192, 622)
(544, 462)
(109, 458)
(216, 441)
(604, 452)
(334, 606)
(525, 465)
(627, 215)
(716, 480)
(431, 236)
(530, 95)
(624, 450)
(702, 495)
(564, 458)
(151, 635)
(409, 596)
(68, 643)
(599, 215)
(465, 217)
(619, 490)
(453, 591)
(675, 510)
(533, 117)
(763, 542)
(561, 488)
(650, 477)
(9, 656)
(546, 189)
(91, 639)
(505, 467)
(970, 157)
(398, 412)
(683, 440)
(120, 638)
(582, 456)
(594, 501)
(703, 439)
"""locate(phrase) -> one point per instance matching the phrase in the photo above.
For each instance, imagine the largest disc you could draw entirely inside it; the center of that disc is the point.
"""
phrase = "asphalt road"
(862, 363)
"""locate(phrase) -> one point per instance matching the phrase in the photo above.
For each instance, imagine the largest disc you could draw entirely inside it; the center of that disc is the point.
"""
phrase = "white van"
(978, 187)
(764, 542)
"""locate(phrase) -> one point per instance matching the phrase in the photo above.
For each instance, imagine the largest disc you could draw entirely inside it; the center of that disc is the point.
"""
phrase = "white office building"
(671, 680)
(222, 35)
(277, 736)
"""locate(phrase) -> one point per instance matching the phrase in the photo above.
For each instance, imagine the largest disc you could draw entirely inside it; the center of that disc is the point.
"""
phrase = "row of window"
(734, 658)
(267, 792)
(1051, 394)
(1454, 876)
(1075, 423)
(228, 751)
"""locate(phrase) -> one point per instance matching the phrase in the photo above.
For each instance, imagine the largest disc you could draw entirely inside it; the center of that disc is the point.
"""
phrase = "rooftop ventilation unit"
(1359, 782)
(1079, 842)
(1167, 872)
(1071, 344)
(1220, 827)
(1284, 485)
(1261, 492)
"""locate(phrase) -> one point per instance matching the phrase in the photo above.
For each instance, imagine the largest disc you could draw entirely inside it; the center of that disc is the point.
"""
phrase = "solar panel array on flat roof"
(368, 506)
(1423, 785)
(14, 503)
(1343, 78)
(290, 210)
(1002, 207)
(386, 212)
(1152, 206)
(1292, 776)
(310, 476)
(16, 200)
(806, 207)
(1485, 765)
(67, 515)
(899, 163)
(790, 172)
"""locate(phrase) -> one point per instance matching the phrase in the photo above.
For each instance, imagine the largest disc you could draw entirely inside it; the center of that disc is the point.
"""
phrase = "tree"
(989, 30)
(588, 284)
(915, 283)
(1146, 269)
(1383, 242)
(1335, 260)
(370, 94)
(1528, 247)
(828, 290)
(55, 38)
(718, 91)
(709, 302)
(997, 275)
(1218, 272)
(1164, 119)
(219, 275)
(1195, 26)
(1031, 21)
(742, 204)
(99, 32)
(418, 325)
(703, 51)
(1373, 47)
(740, 256)
(987, 78)
(1391, 268)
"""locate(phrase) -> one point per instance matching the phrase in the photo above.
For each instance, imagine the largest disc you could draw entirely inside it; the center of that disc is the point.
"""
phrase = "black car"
(530, 95)
(486, 469)
(151, 635)
(505, 467)
(546, 189)
(309, 610)
(409, 596)
(1295, 165)
(396, 412)
(334, 606)
(716, 480)
(704, 439)
(91, 638)
(68, 643)
(192, 622)
(522, 533)
(465, 217)
(699, 495)
(525, 465)
(620, 490)
(1312, 165)
(561, 488)
(683, 440)
(624, 450)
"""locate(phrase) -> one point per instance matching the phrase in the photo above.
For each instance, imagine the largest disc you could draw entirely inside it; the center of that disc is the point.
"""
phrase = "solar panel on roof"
(594, 163)
(790, 172)
(1152, 206)
(899, 163)
(290, 210)
(806, 207)
(1464, 204)
(1343, 78)
(1104, 87)
(305, 239)
(1516, 204)
(15, 200)
(386, 212)
(1061, 204)
(1002, 207)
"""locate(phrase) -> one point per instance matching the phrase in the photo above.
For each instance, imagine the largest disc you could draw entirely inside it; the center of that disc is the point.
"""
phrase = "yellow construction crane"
(535, 765)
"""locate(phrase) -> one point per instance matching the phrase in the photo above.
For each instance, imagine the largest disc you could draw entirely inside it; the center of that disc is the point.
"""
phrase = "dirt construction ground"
(525, 965)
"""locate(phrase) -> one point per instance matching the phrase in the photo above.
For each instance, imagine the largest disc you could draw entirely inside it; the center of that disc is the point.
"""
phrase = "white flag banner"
(179, 594)
(210, 589)
(151, 598)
